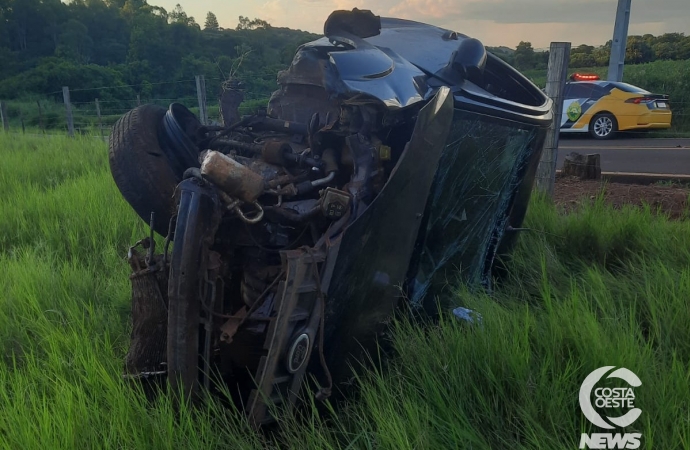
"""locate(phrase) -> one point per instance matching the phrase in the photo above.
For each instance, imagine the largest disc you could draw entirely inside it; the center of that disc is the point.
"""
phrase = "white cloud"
(437, 9)
(495, 22)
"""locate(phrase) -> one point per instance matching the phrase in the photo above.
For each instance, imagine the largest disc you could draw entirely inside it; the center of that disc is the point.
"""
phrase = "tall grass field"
(593, 288)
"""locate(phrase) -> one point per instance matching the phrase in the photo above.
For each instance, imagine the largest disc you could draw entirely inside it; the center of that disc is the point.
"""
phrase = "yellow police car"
(601, 108)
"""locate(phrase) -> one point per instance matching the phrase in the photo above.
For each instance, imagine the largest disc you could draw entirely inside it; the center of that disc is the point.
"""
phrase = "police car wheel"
(603, 126)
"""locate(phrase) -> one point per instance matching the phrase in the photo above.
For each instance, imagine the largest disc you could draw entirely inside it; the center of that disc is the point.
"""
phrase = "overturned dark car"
(394, 156)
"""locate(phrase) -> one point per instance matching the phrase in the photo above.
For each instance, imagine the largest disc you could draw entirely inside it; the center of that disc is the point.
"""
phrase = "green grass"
(660, 77)
(593, 288)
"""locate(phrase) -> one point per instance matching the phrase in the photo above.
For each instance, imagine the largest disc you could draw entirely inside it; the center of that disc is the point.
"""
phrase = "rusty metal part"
(289, 191)
(285, 126)
(147, 351)
(290, 157)
(232, 177)
(132, 257)
(256, 277)
(230, 101)
(298, 302)
(266, 170)
(274, 152)
(283, 180)
(229, 328)
(360, 183)
(239, 145)
(326, 391)
(250, 220)
(235, 321)
(233, 204)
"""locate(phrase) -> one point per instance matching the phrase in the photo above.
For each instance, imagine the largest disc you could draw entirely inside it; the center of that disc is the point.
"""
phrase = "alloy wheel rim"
(603, 126)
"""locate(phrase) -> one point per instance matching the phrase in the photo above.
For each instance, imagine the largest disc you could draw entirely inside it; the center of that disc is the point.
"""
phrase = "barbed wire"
(268, 73)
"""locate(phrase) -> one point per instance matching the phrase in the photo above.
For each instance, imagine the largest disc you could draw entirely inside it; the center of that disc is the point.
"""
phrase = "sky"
(494, 22)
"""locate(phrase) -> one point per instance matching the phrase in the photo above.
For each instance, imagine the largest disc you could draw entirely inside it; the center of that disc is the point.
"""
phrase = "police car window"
(625, 87)
(601, 90)
(580, 90)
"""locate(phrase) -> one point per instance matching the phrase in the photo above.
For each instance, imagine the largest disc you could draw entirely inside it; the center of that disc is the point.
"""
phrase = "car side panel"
(629, 116)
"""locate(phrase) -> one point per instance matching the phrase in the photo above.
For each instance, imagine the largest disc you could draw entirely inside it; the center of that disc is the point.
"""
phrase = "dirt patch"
(671, 200)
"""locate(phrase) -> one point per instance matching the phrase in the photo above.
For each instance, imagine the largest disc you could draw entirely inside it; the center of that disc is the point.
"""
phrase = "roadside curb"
(641, 178)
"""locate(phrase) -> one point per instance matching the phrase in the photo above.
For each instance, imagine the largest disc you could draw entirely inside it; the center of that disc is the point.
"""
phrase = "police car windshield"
(625, 87)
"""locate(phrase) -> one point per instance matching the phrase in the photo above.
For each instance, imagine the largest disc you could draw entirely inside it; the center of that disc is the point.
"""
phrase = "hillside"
(125, 52)
(132, 48)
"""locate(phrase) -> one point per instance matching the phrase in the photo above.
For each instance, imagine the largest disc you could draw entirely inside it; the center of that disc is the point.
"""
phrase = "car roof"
(626, 87)
(597, 82)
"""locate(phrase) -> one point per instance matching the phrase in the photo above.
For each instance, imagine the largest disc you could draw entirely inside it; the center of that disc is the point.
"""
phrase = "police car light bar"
(584, 77)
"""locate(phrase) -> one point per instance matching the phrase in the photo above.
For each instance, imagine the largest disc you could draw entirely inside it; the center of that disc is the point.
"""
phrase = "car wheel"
(603, 126)
(140, 168)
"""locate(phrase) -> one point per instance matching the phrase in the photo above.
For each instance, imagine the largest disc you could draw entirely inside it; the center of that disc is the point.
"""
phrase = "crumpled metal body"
(387, 167)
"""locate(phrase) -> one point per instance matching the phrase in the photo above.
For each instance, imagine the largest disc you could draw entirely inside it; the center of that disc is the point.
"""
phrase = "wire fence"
(97, 109)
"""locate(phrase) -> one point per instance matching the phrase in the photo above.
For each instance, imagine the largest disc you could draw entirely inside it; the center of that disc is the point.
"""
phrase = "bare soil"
(571, 192)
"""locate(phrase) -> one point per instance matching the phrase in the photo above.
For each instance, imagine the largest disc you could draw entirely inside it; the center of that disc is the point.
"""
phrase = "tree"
(581, 60)
(638, 51)
(211, 22)
(524, 56)
(602, 55)
(178, 16)
(75, 42)
(665, 51)
(244, 23)
(46, 44)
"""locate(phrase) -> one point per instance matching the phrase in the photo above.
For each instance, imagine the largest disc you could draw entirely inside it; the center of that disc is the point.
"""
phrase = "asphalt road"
(668, 156)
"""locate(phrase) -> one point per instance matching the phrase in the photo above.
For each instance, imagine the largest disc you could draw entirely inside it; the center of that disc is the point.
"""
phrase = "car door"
(578, 98)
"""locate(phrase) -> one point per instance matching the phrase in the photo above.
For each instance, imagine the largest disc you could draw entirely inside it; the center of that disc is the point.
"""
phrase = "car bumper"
(653, 121)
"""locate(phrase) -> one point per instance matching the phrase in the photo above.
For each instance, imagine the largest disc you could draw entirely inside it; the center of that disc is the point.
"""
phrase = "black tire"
(139, 167)
(603, 126)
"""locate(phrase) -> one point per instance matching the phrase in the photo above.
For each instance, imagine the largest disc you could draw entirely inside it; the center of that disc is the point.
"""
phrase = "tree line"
(639, 50)
(145, 50)
(139, 48)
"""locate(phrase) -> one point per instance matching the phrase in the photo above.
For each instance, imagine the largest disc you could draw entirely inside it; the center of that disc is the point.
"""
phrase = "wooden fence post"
(201, 96)
(555, 86)
(100, 122)
(3, 116)
(68, 109)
